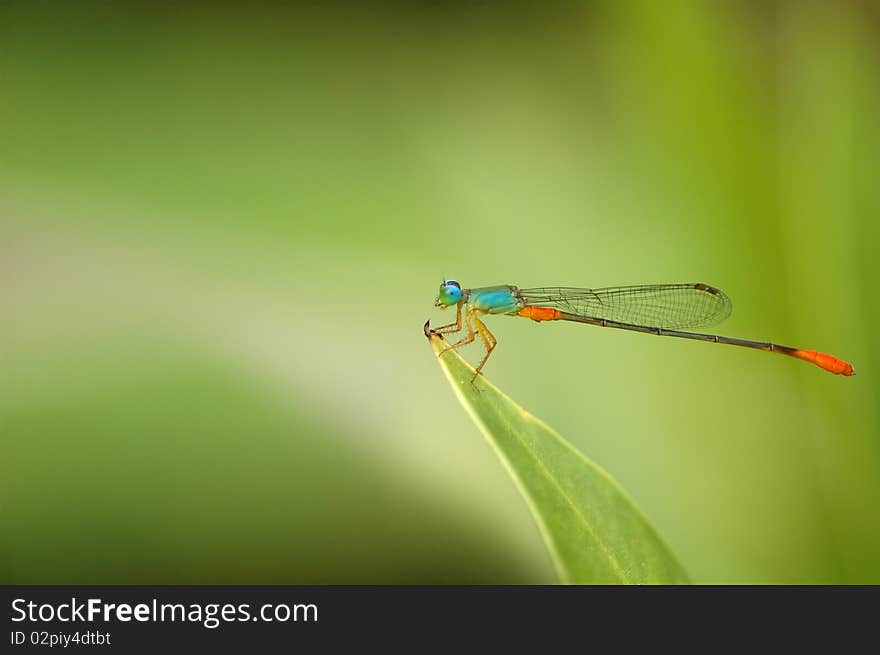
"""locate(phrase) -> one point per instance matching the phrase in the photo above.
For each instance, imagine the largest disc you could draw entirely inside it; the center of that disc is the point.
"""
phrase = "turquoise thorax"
(495, 300)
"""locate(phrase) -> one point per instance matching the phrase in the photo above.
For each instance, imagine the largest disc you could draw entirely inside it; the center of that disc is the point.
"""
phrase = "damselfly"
(661, 309)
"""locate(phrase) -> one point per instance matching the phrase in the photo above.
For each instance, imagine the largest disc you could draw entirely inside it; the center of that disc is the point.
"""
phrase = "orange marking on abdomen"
(539, 313)
(828, 362)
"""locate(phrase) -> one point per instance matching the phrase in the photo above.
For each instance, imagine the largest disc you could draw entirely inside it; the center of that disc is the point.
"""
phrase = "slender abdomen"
(822, 360)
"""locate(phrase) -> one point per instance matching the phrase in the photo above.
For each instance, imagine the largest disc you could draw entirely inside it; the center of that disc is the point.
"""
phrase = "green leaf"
(593, 530)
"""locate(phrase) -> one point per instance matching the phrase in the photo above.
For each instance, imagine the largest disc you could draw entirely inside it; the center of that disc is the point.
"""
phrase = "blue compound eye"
(450, 293)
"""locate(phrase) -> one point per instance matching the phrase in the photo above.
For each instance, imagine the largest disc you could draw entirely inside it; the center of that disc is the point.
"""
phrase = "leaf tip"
(434, 338)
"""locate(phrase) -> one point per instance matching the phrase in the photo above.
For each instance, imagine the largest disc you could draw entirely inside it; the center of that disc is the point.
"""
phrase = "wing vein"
(668, 306)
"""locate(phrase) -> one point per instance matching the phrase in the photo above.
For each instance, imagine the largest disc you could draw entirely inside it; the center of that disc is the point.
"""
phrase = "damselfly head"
(450, 294)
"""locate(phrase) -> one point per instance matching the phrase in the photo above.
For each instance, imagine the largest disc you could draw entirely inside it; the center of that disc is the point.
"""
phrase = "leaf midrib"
(612, 560)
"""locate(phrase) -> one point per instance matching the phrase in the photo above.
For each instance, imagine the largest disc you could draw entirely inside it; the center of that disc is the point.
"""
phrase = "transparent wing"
(669, 306)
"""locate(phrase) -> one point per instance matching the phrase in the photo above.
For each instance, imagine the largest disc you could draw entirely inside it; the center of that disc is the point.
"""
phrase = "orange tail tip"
(828, 362)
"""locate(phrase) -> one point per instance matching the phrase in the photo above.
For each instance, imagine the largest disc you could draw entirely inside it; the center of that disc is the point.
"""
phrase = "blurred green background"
(221, 230)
